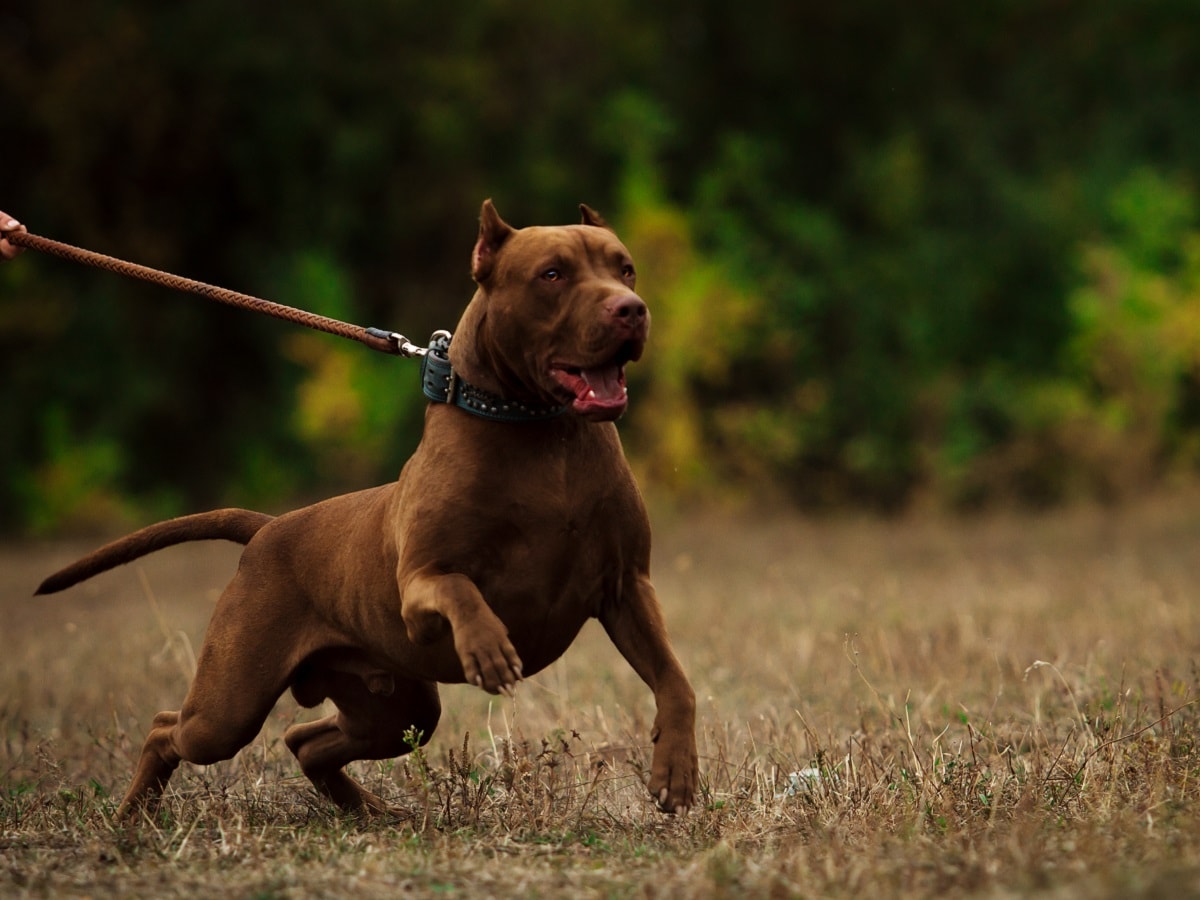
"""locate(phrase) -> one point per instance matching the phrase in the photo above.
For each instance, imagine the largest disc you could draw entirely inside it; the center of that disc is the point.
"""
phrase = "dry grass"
(987, 708)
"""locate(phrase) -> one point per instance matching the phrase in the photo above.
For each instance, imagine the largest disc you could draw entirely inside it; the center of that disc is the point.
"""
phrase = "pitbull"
(515, 521)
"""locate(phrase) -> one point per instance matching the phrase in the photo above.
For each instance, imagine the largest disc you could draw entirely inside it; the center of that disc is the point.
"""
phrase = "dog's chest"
(549, 553)
(547, 528)
(549, 565)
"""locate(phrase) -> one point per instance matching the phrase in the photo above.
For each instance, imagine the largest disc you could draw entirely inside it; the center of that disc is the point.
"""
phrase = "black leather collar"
(441, 384)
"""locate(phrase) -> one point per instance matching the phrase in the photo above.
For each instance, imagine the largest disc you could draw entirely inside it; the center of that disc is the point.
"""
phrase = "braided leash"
(440, 382)
(375, 338)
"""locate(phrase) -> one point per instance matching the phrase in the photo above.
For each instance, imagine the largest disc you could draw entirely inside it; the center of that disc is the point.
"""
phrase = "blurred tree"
(895, 197)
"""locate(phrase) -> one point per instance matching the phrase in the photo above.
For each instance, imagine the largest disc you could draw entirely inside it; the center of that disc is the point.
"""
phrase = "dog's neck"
(462, 373)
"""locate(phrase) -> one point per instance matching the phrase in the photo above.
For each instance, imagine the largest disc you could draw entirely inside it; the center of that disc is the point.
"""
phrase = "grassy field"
(996, 707)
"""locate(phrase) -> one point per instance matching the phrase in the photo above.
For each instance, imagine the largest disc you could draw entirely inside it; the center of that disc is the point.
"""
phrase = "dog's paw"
(489, 659)
(674, 773)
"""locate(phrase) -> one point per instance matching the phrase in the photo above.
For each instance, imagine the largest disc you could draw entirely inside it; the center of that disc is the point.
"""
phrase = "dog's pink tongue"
(605, 383)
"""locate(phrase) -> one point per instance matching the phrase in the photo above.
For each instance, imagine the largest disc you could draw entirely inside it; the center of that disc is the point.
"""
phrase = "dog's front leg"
(635, 624)
(432, 600)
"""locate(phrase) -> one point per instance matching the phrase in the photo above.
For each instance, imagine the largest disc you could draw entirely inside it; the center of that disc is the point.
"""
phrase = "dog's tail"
(238, 525)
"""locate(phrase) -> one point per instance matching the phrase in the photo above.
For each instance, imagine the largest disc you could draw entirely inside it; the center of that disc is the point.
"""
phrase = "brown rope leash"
(376, 339)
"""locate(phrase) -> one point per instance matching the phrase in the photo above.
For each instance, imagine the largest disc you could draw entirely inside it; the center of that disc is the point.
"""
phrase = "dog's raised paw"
(489, 659)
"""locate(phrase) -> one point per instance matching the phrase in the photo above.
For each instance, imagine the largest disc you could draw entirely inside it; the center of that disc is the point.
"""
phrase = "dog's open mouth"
(599, 391)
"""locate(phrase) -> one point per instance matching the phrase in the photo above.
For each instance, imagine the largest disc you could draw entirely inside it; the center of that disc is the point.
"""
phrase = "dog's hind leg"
(193, 735)
(188, 735)
(374, 720)
(159, 759)
(243, 668)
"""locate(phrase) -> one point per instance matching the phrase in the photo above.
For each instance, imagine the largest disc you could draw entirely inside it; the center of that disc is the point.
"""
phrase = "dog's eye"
(552, 275)
(627, 271)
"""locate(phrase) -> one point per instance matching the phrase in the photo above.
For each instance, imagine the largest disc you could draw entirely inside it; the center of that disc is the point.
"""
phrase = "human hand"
(8, 249)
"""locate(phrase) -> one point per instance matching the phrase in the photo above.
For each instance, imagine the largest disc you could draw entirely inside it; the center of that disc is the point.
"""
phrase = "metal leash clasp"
(405, 347)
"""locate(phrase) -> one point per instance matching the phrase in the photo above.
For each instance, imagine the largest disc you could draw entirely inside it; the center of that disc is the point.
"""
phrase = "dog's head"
(555, 318)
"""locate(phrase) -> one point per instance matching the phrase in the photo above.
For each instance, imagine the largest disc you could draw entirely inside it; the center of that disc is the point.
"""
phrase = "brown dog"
(515, 521)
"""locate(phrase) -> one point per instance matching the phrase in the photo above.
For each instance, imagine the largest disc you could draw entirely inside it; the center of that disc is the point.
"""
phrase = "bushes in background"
(944, 253)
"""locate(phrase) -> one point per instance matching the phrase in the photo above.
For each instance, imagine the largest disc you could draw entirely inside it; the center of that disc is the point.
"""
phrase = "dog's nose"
(630, 309)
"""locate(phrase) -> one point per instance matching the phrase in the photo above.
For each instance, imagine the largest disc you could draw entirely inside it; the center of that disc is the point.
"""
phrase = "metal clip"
(404, 347)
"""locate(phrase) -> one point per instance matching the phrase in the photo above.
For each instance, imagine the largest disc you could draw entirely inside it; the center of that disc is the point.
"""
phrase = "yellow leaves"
(1137, 332)
(350, 404)
(350, 401)
(702, 321)
(328, 408)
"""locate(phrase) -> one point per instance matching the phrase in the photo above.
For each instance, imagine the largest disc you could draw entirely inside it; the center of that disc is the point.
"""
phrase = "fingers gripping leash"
(9, 226)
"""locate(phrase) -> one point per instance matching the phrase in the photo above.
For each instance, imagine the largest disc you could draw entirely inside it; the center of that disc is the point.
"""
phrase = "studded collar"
(441, 384)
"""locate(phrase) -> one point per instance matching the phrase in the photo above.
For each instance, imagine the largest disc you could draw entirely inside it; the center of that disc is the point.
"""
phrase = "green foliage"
(77, 483)
(1137, 321)
(891, 252)
(1121, 411)
(349, 413)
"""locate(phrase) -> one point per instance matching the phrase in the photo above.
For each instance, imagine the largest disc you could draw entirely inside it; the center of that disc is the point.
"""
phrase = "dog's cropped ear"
(591, 217)
(493, 232)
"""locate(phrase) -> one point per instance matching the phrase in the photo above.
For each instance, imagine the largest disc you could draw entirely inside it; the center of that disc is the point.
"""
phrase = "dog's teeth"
(591, 395)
